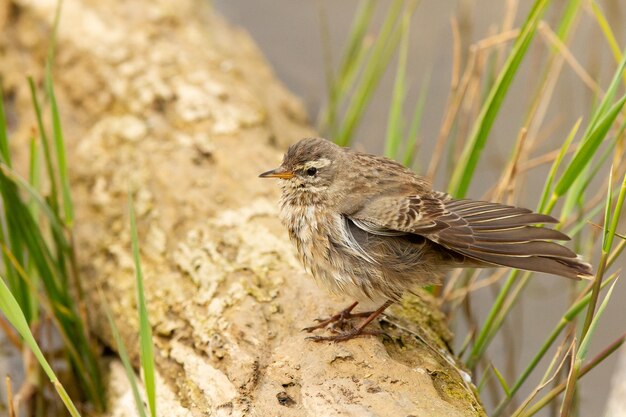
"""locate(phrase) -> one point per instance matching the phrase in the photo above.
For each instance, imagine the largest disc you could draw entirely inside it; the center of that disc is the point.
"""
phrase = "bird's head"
(309, 166)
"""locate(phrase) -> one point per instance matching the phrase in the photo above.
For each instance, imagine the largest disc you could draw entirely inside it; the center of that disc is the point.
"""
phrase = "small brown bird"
(368, 227)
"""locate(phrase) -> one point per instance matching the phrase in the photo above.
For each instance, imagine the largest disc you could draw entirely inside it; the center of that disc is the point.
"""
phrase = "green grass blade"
(65, 398)
(609, 236)
(616, 252)
(24, 224)
(9, 271)
(581, 223)
(352, 59)
(51, 172)
(71, 327)
(587, 334)
(588, 147)
(130, 373)
(416, 124)
(497, 311)
(543, 202)
(36, 198)
(8, 234)
(33, 182)
(34, 172)
(53, 38)
(483, 381)
(49, 258)
(395, 121)
(147, 353)
(567, 19)
(61, 170)
(554, 63)
(13, 238)
(488, 330)
(567, 318)
(584, 344)
(4, 139)
(610, 93)
(47, 304)
(607, 211)
(13, 313)
(344, 86)
(381, 53)
(606, 31)
(59, 144)
(464, 171)
(358, 31)
(575, 195)
(599, 358)
(502, 381)
(607, 241)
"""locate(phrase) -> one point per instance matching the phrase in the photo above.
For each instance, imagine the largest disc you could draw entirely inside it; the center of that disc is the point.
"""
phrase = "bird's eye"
(311, 171)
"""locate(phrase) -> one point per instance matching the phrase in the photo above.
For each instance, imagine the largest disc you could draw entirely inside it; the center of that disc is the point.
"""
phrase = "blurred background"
(301, 37)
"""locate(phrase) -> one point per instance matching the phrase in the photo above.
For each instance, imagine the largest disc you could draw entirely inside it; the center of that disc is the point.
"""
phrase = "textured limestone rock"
(165, 99)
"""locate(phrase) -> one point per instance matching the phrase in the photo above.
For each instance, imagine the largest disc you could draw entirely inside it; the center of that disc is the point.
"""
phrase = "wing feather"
(489, 232)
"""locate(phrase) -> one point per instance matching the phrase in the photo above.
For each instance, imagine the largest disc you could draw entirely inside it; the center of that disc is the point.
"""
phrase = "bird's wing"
(489, 232)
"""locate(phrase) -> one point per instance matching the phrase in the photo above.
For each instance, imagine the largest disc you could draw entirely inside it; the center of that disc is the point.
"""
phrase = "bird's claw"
(309, 329)
(347, 335)
(342, 329)
(337, 320)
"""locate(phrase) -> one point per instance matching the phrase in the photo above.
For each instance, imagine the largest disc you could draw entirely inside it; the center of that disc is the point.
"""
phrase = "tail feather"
(502, 235)
(521, 234)
(524, 249)
(573, 268)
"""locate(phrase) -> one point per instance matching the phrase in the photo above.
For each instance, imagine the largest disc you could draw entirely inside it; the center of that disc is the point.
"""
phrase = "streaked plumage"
(366, 226)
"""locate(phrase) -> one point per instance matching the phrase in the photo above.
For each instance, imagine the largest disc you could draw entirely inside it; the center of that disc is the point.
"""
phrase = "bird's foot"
(346, 335)
(338, 320)
(352, 332)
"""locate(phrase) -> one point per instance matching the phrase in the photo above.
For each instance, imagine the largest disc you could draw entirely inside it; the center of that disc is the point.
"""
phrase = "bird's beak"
(279, 172)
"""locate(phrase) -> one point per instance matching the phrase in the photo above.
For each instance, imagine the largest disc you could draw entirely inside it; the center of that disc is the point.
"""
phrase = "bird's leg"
(357, 331)
(339, 318)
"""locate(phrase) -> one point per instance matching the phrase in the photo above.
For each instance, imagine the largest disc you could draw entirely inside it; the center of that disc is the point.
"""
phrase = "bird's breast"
(319, 235)
(307, 228)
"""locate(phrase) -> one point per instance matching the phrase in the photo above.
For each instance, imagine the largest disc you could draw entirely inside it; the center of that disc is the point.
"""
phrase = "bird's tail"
(504, 235)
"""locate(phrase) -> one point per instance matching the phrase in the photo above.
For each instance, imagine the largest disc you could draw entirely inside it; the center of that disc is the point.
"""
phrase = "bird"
(367, 227)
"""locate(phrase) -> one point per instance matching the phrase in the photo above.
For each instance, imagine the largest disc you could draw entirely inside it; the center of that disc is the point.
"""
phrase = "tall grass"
(40, 283)
(350, 90)
(592, 156)
(38, 257)
(145, 333)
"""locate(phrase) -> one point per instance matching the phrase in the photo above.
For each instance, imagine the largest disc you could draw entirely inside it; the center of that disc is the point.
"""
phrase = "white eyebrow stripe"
(318, 163)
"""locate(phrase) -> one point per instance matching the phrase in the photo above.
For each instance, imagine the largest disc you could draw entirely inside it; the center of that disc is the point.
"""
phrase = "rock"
(165, 99)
